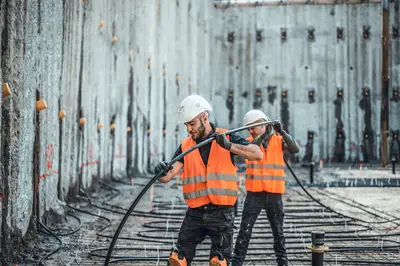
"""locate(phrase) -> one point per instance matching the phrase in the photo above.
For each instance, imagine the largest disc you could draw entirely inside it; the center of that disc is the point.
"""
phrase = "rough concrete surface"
(118, 69)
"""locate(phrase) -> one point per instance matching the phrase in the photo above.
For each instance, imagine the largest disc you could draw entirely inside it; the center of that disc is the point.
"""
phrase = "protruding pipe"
(318, 248)
(6, 91)
(82, 121)
(61, 114)
(41, 105)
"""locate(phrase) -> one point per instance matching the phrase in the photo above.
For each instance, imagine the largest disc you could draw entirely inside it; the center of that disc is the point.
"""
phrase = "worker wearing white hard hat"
(209, 183)
(265, 185)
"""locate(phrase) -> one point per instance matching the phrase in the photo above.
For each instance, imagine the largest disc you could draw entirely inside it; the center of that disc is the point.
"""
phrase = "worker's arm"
(176, 168)
(249, 151)
(289, 143)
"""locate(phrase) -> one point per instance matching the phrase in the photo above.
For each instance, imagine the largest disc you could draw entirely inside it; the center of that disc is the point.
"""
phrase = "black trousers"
(212, 220)
(254, 203)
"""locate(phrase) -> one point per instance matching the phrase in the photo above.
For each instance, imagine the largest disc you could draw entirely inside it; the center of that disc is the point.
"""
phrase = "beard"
(201, 131)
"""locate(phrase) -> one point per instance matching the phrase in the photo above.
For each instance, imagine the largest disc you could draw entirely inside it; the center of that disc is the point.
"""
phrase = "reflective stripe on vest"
(263, 177)
(261, 166)
(198, 179)
(208, 191)
(267, 174)
(215, 183)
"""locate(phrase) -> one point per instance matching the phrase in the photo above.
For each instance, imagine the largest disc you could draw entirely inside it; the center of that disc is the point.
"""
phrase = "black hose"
(353, 204)
(93, 214)
(158, 175)
(54, 251)
(67, 233)
(320, 203)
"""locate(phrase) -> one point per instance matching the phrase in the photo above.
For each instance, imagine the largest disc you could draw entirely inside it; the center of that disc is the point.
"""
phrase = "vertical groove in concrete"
(60, 107)
(81, 114)
(36, 168)
(129, 148)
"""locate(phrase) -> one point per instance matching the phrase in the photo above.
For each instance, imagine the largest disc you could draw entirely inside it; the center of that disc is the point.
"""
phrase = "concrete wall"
(127, 64)
(299, 65)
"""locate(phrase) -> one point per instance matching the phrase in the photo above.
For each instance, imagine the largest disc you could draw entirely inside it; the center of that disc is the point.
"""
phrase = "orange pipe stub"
(82, 121)
(61, 114)
(129, 129)
(6, 90)
(99, 125)
(114, 39)
(101, 24)
(112, 126)
(41, 105)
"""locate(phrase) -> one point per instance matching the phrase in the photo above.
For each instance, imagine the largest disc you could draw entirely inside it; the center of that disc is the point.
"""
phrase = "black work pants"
(254, 203)
(212, 220)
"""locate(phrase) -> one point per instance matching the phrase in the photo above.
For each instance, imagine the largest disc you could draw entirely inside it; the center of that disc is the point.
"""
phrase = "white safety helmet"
(191, 107)
(253, 116)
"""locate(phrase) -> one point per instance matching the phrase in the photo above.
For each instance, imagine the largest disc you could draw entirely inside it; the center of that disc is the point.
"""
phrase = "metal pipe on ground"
(318, 248)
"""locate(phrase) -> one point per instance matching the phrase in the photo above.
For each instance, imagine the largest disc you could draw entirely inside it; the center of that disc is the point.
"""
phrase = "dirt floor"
(360, 224)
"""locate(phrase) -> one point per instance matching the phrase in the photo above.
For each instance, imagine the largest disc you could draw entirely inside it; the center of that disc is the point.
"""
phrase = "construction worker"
(209, 184)
(265, 185)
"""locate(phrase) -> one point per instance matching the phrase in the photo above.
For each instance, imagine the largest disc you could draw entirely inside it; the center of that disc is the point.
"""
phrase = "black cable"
(54, 251)
(362, 208)
(93, 214)
(67, 233)
(320, 203)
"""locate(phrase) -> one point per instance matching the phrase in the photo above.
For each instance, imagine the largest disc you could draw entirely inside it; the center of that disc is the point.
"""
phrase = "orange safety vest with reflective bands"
(215, 183)
(267, 174)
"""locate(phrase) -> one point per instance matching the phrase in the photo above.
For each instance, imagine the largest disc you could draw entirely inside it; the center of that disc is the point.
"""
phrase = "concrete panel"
(49, 54)
(12, 71)
(72, 41)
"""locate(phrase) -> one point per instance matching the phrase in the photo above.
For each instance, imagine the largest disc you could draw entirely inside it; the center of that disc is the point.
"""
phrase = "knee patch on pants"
(176, 259)
(215, 261)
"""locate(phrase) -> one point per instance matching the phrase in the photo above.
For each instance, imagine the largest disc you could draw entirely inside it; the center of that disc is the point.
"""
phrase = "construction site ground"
(361, 223)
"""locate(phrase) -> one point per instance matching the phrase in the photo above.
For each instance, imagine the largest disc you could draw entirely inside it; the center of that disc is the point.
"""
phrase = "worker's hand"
(162, 166)
(222, 141)
(278, 127)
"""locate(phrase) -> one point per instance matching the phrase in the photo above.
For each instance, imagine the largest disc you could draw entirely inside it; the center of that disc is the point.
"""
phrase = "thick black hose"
(158, 175)
(67, 233)
(320, 203)
(363, 208)
(93, 214)
(54, 251)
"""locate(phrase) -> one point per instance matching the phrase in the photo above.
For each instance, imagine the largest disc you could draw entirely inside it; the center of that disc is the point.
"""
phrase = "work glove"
(278, 127)
(162, 166)
(222, 141)
(261, 138)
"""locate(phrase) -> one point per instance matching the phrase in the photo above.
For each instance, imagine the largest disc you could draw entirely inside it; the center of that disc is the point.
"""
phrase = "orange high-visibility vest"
(267, 174)
(215, 183)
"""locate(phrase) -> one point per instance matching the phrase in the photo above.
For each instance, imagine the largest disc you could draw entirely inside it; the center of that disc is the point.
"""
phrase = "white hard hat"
(253, 116)
(191, 107)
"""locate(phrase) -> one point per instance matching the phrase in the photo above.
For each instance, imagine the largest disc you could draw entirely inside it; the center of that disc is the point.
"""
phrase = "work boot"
(176, 260)
(215, 261)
